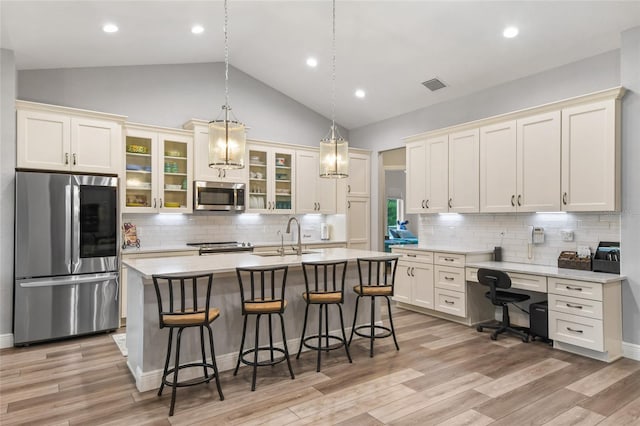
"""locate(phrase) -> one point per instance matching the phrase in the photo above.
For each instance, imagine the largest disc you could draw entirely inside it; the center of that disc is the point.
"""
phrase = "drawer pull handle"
(448, 302)
(575, 331)
(569, 305)
(449, 278)
(411, 255)
(573, 288)
(449, 259)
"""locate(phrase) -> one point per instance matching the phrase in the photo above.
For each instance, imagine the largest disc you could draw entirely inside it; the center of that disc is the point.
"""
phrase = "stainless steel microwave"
(218, 196)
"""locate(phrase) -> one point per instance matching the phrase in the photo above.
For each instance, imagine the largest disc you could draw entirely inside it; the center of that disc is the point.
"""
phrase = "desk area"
(585, 308)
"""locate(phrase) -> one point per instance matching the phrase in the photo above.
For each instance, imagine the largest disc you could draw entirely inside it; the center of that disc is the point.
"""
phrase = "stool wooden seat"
(377, 281)
(325, 287)
(262, 293)
(178, 308)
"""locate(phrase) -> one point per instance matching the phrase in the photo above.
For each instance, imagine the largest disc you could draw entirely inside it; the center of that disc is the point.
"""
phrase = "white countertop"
(227, 262)
(550, 271)
(184, 247)
(446, 249)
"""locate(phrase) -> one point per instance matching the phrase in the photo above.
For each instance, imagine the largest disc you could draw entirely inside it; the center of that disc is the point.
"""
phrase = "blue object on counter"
(398, 241)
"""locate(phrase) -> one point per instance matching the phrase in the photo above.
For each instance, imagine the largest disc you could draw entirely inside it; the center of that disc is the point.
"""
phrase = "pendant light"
(227, 136)
(334, 150)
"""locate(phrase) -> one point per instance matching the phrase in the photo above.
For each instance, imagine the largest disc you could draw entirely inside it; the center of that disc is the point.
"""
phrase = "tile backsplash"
(171, 230)
(511, 231)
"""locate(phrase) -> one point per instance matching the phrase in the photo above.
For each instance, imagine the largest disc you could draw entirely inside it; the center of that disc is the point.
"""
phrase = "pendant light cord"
(226, 58)
(333, 76)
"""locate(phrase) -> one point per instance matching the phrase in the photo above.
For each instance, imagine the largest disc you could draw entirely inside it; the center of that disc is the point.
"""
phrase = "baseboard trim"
(631, 350)
(6, 340)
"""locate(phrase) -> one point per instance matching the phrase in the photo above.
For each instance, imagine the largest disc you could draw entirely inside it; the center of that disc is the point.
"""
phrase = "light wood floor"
(444, 374)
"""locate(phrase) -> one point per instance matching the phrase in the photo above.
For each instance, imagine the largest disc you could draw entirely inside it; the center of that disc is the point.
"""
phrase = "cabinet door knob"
(426, 203)
(75, 159)
(412, 270)
(66, 158)
(423, 204)
(513, 201)
(564, 198)
(154, 203)
(450, 202)
(224, 173)
(408, 272)
(348, 189)
(519, 200)
(160, 202)
(318, 206)
(348, 204)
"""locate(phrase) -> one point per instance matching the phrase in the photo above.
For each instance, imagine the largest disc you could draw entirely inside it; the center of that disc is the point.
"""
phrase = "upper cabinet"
(158, 170)
(359, 180)
(271, 179)
(313, 193)
(66, 139)
(428, 175)
(464, 175)
(559, 156)
(591, 157)
(512, 154)
(202, 171)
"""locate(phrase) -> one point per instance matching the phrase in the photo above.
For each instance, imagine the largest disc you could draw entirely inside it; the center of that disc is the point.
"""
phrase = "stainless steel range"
(221, 247)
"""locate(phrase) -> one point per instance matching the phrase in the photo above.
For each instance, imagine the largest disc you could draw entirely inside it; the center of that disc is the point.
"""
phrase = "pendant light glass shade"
(334, 157)
(227, 141)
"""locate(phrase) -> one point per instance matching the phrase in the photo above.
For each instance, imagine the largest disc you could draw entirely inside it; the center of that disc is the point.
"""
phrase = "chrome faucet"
(299, 248)
(281, 249)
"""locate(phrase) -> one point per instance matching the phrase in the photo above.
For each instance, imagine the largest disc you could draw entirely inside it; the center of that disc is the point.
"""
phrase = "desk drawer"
(575, 306)
(576, 330)
(415, 255)
(449, 278)
(450, 302)
(528, 282)
(448, 259)
(582, 289)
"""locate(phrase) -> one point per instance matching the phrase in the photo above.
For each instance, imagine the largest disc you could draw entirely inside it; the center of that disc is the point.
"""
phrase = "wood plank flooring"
(444, 374)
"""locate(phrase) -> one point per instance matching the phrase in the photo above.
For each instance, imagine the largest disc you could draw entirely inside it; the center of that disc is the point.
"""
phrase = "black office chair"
(495, 280)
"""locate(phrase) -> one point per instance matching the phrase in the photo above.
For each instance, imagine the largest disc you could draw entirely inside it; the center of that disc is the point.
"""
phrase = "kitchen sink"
(287, 252)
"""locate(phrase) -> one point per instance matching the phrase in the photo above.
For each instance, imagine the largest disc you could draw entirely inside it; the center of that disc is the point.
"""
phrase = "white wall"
(170, 95)
(7, 166)
(630, 250)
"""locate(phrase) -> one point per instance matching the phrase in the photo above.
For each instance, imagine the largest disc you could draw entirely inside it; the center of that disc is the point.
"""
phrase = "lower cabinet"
(427, 282)
(585, 317)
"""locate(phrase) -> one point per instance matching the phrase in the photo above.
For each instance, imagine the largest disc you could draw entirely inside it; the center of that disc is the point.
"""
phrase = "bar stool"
(380, 274)
(259, 296)
(326, 288)
(181, 310)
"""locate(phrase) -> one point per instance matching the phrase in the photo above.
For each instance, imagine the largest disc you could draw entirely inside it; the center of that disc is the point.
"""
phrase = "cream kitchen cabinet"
(359, 180)
(313, 193)
(512, 156)
(201, 169)
(67, 139)
(433, 281)
(591, 157)
(271, 179)
(358, 222)
(464, 173)
(428, 175)
(158, 170)
(414, 278)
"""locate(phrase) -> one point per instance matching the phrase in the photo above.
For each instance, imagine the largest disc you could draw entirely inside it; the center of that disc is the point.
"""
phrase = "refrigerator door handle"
(67, 226)
(52, 282)
(75, 228)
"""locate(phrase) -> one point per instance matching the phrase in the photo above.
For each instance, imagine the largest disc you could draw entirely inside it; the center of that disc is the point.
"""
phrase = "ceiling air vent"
(434, 84)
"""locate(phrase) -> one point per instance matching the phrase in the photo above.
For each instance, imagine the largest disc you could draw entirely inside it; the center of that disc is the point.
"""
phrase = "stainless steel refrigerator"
(66, 255)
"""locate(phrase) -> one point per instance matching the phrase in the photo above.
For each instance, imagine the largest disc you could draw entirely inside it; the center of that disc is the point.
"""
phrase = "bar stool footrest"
(387, 331)
(339, 344)
(265, 362)
(190, 382)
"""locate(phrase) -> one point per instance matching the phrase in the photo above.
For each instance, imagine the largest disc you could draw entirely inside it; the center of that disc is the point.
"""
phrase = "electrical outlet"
(566, 235)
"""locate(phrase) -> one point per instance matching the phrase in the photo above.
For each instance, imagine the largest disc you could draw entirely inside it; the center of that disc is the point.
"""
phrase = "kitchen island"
(147, 343)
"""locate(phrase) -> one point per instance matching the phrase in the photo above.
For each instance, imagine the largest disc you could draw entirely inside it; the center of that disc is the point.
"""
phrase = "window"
(395, 212)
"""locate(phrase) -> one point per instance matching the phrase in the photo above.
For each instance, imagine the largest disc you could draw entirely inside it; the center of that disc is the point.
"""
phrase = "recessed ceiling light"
(110, 28)
(312, 62)
(197, 29)
(510, 32)
(360, 93)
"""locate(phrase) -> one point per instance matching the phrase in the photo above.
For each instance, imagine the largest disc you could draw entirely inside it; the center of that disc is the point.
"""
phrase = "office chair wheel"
(525, 339)
(494, 337)
(478, 328)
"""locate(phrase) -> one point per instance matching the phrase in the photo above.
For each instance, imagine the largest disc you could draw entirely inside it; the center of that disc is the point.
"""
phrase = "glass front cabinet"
(271, 180)
(158, 171)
